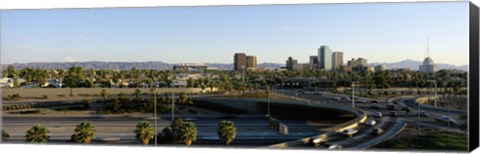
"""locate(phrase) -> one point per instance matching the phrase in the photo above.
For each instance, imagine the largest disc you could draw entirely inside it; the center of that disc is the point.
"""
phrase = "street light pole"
(173, 105)
(353, 94)
(243, 73)
(155, 113)
(435, 83)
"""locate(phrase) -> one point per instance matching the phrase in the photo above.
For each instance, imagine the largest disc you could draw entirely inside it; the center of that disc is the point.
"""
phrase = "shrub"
(45, 97)
(86, 104)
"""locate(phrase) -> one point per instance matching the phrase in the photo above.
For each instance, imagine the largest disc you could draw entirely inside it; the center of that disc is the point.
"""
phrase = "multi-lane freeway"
(253, 130)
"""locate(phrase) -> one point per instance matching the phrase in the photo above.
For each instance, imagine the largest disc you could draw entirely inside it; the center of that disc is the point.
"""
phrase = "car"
(407, 109)
(337, 98)
(315, 142)
(363, 100)
(349, 132)
(370, 122)
(446, 120)
(391, 107)
(378, 114)
(335, 147)
(375, 106)
(374, 102)
(393, 113)
(423, 114)
(376, 131)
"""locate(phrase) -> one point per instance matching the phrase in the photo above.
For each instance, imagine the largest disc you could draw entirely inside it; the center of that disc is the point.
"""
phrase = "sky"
(379, 32)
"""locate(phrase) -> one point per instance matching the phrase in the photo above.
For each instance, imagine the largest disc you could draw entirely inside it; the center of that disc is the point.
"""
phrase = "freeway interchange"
(253, 129)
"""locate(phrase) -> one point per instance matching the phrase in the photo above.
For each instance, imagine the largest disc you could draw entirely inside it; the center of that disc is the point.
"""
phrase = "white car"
(378, 114)
(349, 132)
(335, 147)
(363, 100)
(370, 122)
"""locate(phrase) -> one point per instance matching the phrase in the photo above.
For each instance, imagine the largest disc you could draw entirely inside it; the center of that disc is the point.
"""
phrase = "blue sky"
(379, 32)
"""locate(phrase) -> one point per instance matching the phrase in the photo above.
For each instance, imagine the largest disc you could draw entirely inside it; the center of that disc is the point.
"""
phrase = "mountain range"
(158, 65)
(413, 65)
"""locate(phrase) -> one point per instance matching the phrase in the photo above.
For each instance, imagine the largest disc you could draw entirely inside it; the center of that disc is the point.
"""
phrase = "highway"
(391, 125)
(253, 130)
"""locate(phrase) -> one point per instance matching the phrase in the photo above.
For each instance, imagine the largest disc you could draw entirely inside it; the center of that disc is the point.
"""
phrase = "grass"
(436, 141)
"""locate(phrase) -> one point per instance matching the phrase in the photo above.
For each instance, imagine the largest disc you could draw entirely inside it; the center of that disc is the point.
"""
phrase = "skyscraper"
(324, 58)
(251, 61)
(290, 63)
(239, 61)
(337, 58)
(313, 62)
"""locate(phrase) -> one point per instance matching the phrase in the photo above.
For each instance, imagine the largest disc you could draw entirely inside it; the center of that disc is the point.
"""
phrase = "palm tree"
(144, 132)
(84, 133)
(226, 131)
(104, 94)
(5, 135)
(137, 93)
(37, 134)
(188, 133)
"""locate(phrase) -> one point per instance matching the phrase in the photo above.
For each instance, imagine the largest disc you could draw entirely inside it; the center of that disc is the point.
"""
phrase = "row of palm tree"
(180, 132)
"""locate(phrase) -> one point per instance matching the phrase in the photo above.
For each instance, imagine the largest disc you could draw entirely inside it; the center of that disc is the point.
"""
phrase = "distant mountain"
(413, 65)
(122, 65)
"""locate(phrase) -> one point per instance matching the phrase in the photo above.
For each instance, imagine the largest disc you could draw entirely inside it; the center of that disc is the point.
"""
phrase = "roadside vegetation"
(439, 140)
(226, 131)
(84, 133)
(37, 134)
(144, 132)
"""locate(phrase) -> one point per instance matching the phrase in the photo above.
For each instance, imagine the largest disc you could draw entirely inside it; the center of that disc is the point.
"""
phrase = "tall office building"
(251, 61)
(239, 61)
(313, 62)
(324, 58)
(290, 63)
(337, 58)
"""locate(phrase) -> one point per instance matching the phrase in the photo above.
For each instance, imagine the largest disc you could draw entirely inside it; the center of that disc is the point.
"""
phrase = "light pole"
(435, 83)
(173, 104)
(353, 94)
(243, 73)
(155, 113)
(268, 104)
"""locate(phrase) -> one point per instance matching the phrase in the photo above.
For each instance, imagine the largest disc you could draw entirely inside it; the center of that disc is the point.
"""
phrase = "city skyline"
(161, 34)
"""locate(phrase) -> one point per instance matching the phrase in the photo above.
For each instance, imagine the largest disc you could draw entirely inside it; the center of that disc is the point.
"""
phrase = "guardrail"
(362, 117)
(401, 125)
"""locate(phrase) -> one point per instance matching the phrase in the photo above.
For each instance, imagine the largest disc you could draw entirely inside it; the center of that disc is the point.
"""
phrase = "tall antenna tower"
(427, 53)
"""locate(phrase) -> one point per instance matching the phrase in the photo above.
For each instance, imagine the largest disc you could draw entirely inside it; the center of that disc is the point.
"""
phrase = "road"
(252, 130)
(391, 125)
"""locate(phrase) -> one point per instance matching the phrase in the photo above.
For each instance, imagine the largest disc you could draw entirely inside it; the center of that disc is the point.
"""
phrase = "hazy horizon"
(378, 32)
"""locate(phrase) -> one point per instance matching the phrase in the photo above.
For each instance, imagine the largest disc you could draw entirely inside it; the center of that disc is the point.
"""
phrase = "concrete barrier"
(362, 117)
(54, 92)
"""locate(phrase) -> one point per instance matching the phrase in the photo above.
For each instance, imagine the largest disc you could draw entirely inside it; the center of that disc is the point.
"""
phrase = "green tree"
(104, 94)
(144, 132)
(183, 98)
(75, 77)
(84, 133)
(5, 135)
(86, 104)
(226, 131)
(188, 133)
(37, 134)
(137, 94)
